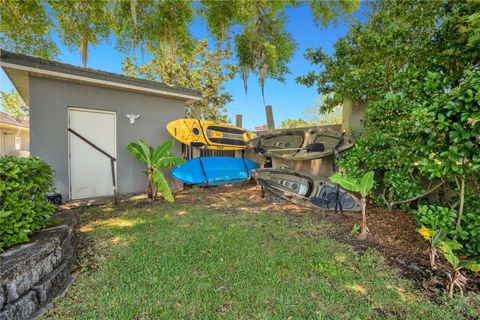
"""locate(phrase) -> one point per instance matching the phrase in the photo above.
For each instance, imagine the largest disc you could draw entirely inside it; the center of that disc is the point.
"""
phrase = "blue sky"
(289, 99)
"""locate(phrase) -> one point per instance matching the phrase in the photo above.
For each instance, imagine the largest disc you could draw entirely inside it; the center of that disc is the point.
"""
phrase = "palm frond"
(155, 159)
(162, 150)
(147, 150)
(137, 152)
(169, 161)
(162, 185)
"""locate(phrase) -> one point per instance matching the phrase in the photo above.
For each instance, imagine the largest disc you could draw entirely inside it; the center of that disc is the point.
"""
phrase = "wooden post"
(270, 121)
(196, 115)
(238, 120)
(196, 153)
(347, 116)
(238, 123)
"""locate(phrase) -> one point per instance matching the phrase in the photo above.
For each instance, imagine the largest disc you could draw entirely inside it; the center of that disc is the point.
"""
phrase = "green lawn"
(183, 262)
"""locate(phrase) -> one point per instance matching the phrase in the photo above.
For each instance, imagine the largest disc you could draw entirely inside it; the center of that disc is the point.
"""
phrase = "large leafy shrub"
(442, 218)
(415, 64)
(468, 233)
(435, 217)
(24, 207)
(450, 126)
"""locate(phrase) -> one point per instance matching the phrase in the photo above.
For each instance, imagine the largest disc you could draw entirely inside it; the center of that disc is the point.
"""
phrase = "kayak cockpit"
(332, 197)
(292, 184)
(306, 189)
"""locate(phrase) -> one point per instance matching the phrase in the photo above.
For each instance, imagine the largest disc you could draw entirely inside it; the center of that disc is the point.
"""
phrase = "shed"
(71, 106)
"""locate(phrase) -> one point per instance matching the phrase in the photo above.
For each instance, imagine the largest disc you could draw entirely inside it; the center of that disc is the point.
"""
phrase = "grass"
(179, 261)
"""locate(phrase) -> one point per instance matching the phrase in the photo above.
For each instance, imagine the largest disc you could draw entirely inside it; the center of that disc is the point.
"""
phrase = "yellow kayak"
(209, 135)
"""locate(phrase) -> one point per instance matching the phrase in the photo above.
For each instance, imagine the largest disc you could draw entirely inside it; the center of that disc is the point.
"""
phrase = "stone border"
(32, 274)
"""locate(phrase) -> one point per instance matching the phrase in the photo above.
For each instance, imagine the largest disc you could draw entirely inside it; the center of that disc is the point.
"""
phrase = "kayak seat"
(316, 147)
(322, 203)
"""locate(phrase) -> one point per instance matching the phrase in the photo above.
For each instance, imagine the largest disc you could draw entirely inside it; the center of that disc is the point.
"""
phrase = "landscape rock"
(21, 309)
(32, 274)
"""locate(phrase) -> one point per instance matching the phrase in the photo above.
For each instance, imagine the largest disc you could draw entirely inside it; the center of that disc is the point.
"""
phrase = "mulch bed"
(392, 233)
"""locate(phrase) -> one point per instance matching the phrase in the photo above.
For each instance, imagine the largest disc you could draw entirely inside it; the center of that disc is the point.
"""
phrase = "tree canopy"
(81, 23)
(203, 70)
(26, 27)
(12, 103)
(255, 30)
(315, 116)
(398, 41)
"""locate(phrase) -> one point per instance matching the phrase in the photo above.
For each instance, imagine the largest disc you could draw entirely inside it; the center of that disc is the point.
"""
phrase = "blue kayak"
(214, 171)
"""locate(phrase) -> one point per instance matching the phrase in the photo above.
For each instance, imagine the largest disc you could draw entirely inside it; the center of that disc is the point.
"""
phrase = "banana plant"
(155, 159)
(362, 186)
(435, 238)
(439, 241)
(455, 276)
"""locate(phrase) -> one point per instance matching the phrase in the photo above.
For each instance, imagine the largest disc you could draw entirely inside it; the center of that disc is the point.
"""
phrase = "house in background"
(259, 130)
(81, 121)
(14, 136)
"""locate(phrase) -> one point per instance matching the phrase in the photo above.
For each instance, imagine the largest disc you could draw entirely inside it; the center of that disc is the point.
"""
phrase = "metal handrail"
(91, 144)
(112, 159)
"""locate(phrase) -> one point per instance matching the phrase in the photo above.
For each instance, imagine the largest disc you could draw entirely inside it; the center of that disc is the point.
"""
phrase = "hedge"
(24, 208)
(442, 218)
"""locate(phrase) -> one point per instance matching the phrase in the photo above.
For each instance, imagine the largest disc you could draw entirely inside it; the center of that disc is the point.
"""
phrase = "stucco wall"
(49, 102)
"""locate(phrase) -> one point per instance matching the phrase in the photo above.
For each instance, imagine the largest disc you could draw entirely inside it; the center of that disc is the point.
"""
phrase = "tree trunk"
(390, 203)
(150, 184)
(433, 253)
(462, 203)
(364, 229)
(429, 190)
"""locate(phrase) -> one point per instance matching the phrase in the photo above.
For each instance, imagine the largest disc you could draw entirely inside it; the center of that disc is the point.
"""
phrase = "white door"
(90, 170)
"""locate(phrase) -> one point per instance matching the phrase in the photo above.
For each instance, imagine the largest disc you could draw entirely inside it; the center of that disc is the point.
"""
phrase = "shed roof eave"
(20, 81)
(12, 126)
(116, 85)
(31, 65)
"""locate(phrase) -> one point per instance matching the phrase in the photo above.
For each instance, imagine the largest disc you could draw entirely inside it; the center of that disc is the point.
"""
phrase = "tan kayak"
(300, 143)
(306, 190)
